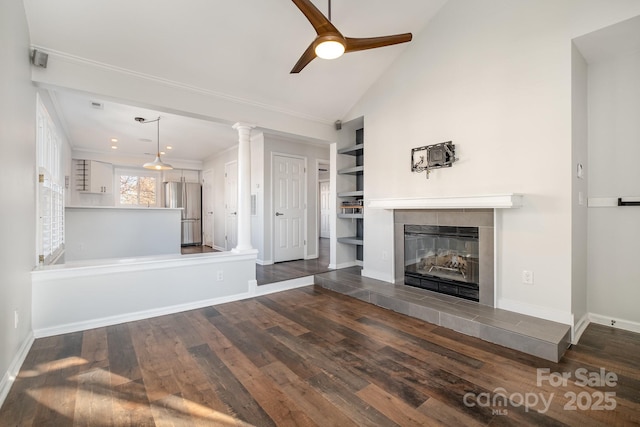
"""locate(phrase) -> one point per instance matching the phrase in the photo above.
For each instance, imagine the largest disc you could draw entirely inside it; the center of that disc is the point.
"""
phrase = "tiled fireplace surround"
(481, 218)
(538, 337)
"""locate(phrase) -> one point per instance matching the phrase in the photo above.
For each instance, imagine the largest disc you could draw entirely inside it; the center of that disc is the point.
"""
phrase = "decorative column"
(244, 187)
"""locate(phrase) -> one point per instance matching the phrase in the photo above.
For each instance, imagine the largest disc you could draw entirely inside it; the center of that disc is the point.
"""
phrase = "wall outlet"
(220, 276)
(527, 277)
(16, 319)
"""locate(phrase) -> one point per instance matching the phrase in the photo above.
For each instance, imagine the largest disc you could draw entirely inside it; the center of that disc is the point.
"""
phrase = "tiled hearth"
(542, 338)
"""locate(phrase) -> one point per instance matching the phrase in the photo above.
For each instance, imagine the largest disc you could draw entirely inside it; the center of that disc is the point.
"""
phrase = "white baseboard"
(579, 328)
(536, 311)
(285, 285)
(219, 248)
(377, 275)
(14, 367)
(343, 265)
(312, 256)
(627, 325)
(262, 262)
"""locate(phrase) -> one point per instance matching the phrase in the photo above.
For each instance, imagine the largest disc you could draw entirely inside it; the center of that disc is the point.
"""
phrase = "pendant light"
(157, 164)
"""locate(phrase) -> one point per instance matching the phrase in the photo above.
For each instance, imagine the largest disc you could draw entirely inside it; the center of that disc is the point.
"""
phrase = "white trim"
(602, 202)
(343, 265)
(377, 275)
(536, 311)
(14, 367)
(78, 60)
(261, 262)
(579, 328)
(627, 325)
(219, 248)
(312, 256)
(285, 285)
(496, 201)
(122, 265)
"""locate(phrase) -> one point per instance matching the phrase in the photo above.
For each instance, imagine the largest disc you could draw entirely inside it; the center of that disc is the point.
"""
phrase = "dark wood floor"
(293, 269)
(309, 357)
(197, 249)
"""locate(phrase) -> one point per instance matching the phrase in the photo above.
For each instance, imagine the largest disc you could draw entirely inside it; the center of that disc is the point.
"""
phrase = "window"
(137, 188)
(50, 198)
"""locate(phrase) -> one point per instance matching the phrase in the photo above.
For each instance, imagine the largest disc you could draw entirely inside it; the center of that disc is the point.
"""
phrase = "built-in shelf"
(356, 170)
(354, 150)
(359, 193)
(351, 240)
(351, 215)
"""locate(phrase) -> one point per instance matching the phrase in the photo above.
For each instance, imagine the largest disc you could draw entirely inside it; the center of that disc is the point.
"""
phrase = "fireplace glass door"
(442, 258)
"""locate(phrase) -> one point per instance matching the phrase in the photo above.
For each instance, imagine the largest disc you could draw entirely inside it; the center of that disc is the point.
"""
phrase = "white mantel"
(495, 201)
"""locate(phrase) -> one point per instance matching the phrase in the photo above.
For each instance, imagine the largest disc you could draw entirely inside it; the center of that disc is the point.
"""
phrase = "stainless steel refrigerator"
(188, 196)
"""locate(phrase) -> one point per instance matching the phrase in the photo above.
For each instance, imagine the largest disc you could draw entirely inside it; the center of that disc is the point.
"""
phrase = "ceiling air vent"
(97, 105)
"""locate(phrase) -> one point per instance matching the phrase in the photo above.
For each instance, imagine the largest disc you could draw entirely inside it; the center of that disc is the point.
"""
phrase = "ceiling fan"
(330, 43)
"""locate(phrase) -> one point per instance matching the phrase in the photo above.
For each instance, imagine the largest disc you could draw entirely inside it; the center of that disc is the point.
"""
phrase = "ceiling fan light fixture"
(329, 47)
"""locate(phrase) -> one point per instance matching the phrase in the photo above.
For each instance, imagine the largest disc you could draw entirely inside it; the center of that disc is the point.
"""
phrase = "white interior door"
(325, 212)
(231, 205)
(289, 196)
(207, 203)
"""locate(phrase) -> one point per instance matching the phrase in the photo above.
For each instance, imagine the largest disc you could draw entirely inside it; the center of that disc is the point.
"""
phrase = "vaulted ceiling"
(240, 49)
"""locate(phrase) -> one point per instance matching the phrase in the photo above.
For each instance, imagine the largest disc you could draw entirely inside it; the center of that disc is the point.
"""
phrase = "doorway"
(289, 207)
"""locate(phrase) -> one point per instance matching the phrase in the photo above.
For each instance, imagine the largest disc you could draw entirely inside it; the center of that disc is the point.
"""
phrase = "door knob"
(279, 214)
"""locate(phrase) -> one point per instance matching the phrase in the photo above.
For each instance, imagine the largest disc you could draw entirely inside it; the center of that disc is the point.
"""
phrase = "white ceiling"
(241, 49)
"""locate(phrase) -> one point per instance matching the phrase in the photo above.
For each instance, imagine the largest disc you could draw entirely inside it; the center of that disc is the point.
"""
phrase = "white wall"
(579, 191)
(68, 299)
(257, 189)
(17, 192)
(217, 165)
(494, 77)
(614, 150)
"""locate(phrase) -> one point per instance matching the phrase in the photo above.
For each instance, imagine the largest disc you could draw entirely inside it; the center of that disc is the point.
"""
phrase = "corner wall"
(579, 188)
(18, 225)
(614, 150)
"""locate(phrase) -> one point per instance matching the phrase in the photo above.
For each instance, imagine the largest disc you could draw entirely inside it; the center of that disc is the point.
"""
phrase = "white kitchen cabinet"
(179, 175)
(94, 177)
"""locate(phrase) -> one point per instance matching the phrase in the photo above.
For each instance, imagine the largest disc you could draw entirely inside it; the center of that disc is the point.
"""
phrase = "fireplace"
(442, 259)
(460, 262)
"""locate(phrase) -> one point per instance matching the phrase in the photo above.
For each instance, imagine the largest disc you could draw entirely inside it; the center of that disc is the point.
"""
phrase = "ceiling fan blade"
(320, 22)
(356, 44)
(304, 60)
